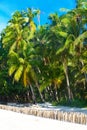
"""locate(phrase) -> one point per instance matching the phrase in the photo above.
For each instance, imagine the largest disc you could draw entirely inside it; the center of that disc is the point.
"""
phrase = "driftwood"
(74, 117)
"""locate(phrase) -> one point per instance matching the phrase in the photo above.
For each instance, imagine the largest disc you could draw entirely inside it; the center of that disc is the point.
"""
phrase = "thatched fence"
(74, 117)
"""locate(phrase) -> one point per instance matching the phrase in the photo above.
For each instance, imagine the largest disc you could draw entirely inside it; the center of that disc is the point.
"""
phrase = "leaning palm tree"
(21, 70)
(17, 41)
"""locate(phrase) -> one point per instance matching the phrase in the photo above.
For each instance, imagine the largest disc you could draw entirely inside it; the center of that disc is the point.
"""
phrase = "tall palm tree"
(17, 41)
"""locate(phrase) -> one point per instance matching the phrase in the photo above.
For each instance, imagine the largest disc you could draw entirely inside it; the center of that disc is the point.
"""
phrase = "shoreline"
(16, 121)
(48, 111)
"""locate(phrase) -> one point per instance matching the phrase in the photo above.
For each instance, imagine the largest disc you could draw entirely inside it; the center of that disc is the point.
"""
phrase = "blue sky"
(7, 8)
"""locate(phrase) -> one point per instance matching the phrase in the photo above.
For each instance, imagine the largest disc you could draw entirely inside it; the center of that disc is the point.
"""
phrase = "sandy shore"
(46, 110)
(16, 121)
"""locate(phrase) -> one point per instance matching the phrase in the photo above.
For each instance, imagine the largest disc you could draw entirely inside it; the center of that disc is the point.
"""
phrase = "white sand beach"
(16, 121)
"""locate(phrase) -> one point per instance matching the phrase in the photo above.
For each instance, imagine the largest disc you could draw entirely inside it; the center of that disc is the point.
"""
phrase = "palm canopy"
(51, 57)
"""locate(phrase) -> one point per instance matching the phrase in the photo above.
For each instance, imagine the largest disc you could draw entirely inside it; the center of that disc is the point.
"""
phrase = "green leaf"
(63, 34)
(44, 85)
(12, 69)
(18, 73)
(21, 60)
(60, 50)
(12, 48)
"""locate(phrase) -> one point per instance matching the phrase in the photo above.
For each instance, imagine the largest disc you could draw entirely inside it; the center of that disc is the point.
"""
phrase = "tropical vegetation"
(45, 62)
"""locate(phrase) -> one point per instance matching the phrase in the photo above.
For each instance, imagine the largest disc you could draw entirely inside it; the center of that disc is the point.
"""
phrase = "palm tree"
(17, 41)
(64, 55)
(48, 56)
(81, 3)
(20, 30)
(20, 69)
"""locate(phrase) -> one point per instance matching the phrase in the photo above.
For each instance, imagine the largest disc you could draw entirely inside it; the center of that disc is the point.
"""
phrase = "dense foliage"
(44, 63)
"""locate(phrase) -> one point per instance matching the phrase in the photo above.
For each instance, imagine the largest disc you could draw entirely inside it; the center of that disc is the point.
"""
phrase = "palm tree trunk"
(70, 95)
(68, 86)
(40, 93)
(42, 98)
(33, 95)
(28, 95)
(56, 93)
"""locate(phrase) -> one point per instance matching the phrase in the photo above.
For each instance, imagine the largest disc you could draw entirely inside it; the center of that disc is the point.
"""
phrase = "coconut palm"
(17, 41)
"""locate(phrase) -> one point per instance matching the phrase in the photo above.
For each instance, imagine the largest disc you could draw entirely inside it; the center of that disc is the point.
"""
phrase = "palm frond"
(12, 69)
(18, 73)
